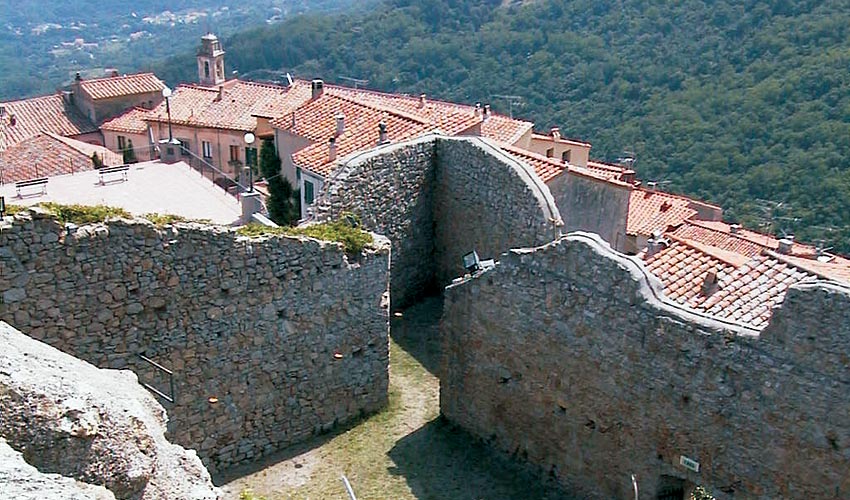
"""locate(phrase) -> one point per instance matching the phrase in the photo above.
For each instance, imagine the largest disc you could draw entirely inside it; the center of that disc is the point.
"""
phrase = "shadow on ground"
(417, 331)
(442, 462)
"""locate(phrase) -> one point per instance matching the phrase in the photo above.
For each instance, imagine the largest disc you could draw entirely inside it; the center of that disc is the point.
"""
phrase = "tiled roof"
(562, 140)
(131, 122)
(656, 211)
(240, 103)
(120, 86)
(48, 113)
(317, 121)
(47, 155)
(745, 293)
(450, 118)
(610, 170)
(549, 168)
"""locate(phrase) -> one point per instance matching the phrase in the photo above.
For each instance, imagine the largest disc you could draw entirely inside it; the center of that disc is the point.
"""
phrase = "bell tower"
(210, 61)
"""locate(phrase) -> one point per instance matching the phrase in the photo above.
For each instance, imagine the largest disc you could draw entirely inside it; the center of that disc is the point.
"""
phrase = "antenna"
(355, 81)
(511, 99)
(289, 79)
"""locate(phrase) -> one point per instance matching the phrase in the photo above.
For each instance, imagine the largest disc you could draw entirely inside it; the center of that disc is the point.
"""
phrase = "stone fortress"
(565, 354)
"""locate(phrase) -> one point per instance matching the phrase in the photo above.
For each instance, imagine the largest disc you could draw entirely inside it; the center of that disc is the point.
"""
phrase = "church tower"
(210, 61)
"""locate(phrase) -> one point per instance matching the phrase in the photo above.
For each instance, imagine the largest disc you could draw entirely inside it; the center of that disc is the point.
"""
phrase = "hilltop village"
(698, 330)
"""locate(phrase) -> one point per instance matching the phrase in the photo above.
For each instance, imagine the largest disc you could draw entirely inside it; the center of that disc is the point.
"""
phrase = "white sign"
(688, 463)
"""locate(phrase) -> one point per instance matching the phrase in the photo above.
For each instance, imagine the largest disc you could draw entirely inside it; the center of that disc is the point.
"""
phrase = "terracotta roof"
(240, 103)
(47, 155)
(450, 118)
(120, 86)
(317, 121)
(656, 211)
(562, 140)
(609, 169)
(131, 122)
(745, 292)
(549, 168)
(48, 113)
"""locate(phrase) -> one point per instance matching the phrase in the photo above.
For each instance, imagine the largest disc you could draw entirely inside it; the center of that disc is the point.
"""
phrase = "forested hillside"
(44, 42)
(741, 103)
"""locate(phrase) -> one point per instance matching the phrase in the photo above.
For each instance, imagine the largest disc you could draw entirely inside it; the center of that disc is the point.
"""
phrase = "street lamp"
(249, 139)
(166, 93)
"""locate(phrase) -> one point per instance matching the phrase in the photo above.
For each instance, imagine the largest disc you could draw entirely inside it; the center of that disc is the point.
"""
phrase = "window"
(251, 157)
(185, 150)
(206, 69)
(550, 152)
(308, 192)
(207, 149)
(122, 143)
(234, 153)
(565, 156)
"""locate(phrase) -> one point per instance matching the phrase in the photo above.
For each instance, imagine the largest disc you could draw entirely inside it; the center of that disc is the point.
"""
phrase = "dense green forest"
(43, 43)
(743, 103)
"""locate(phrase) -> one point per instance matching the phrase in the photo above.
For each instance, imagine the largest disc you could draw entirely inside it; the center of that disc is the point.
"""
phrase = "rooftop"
(234, 106)
(152, 187)
(33, 116)
(130, 122)
(549, 168)
(47, 155)
(651, 211)
(120, 86)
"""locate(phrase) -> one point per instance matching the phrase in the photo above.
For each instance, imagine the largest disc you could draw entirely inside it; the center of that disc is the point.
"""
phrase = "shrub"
(82, 214)
(344, 231)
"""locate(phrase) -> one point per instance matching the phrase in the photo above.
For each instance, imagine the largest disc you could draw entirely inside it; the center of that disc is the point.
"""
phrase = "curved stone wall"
(437, 198)
(565, 356)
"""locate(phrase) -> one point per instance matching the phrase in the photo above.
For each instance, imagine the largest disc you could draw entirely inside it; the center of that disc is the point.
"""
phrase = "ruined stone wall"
(437, 198)
(288, 335)
(566, 357)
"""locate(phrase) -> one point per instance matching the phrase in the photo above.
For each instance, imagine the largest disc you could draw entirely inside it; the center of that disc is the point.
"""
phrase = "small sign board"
(689, 463)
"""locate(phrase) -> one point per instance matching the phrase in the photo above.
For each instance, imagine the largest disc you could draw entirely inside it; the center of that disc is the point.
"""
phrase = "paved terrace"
(151, 187)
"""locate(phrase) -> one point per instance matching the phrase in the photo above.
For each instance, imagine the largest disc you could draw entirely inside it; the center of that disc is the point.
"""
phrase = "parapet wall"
(437, 198)
(564, 356)
(270, 340)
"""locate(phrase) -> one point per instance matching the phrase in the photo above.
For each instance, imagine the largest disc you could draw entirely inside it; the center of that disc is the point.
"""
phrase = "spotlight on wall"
(471, 262)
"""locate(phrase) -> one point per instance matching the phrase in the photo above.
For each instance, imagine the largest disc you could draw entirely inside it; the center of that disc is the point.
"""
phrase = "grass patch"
(249, 495)
(13, 209)
(83, 214)
(166, 219)
(353, 239)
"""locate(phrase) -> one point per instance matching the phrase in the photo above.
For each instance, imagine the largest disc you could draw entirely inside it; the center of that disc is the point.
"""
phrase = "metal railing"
(220, 178)
(162, 370)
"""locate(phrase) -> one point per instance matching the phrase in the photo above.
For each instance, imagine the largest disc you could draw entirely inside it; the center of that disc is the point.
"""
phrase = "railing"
(220, 178)
(163, 371)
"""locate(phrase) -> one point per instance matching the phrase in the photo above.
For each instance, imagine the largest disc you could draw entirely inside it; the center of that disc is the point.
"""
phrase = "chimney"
(556, 133)
(422, 100)
(786, 244)
(655, 245)
(734, 228)
(477, 109)
(115, 73)
(709, 283)
(382, 133)
(486, 111)
(332, 149)
(292, 121)
(651, 186)
(220, 93)
(78, 77)
(13, 120)
(340, 124)
(318, 87)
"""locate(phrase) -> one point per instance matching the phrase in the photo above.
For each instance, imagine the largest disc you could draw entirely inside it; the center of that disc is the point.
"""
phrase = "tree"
(283, 201)
(96, 161)
(129, 153)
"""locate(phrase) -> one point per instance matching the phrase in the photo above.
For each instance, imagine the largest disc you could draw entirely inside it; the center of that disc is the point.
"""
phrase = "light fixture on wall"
(166, 93)
(471, 262)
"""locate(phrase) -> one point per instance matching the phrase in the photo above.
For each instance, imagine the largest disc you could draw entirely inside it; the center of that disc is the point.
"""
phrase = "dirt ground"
(406, 451)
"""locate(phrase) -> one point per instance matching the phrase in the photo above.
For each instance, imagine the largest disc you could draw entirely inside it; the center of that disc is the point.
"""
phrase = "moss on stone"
(83, 214)
(353, 239)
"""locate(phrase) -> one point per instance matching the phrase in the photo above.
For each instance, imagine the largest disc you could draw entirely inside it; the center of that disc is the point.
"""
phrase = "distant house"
(48, 155)
(129, 131)
(104, 98)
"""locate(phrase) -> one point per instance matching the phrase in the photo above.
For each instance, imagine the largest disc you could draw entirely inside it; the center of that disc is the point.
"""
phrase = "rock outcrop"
(97, 426)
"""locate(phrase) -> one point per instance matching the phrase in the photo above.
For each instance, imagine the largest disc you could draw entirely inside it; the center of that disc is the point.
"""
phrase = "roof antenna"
(289, 79)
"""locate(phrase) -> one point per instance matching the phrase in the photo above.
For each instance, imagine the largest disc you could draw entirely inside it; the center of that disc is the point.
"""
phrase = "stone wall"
(437, 198)
(565, 356)
(592, 205)
(270, 340)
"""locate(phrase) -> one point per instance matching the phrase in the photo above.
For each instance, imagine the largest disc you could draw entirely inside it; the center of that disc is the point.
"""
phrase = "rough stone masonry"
(270, 340)
(566, 356)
